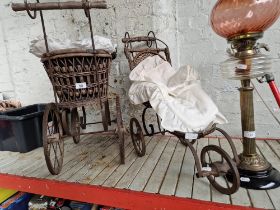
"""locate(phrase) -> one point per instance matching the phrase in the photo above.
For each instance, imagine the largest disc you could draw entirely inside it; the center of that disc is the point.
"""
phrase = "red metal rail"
(108, 196)
(275, 91)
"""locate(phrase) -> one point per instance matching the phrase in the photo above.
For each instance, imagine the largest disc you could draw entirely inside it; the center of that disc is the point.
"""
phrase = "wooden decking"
(167, 168)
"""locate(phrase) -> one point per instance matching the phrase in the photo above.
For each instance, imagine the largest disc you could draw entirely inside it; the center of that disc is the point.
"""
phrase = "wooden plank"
(170, 181)
(31, 159)
(260, 198)
(129, 176)
(217, 196)
(81, 149)
(275, 147)
(241, 197)
(76, 161)
(11, 160)
(110, 168)
(141, 179)
(40, 165)
(23, 163)
(275, 193)
(158, 174)
(95, 164)
(185, 182)
(122, 169)
(201, 187)
(272, 195)
(15, 158)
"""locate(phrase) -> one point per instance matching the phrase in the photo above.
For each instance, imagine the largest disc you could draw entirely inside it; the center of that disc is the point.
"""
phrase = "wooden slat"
(274, 193)
(110, 168)
(201, 187)
(145, 172)
(122, 169)
(71, 157)
(86, 174)
(269, 154)
(78, 161)
(131, 173)
(170, 181)
(158, 174)
(185, 182)
(39, 168)
(241, 196)
(35, 162)
(13, 158)
(275, 147)
(260, 198)
(217, 196)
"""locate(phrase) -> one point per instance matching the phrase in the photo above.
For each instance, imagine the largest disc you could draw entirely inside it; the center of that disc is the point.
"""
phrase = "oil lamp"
(242, 23)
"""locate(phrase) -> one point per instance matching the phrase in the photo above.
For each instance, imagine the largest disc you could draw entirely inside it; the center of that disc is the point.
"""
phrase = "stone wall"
(183, 24)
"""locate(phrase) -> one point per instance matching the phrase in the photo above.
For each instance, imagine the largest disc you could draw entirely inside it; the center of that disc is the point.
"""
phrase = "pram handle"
(59, 5)
(138, 39)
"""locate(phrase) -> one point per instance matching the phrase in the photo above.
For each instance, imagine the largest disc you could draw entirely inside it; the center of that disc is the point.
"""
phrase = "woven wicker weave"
(79, 77)
(137, 49)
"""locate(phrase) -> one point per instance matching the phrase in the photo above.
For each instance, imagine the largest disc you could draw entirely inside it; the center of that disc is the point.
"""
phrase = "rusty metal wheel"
(65, 121)
(120, 129)
(75, 126)
(52, 139)
(232, 146)
(215, 159)
(137, 137)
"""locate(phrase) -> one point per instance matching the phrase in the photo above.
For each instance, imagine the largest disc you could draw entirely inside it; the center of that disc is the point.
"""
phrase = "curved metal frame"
(152, 129)
(135, 56)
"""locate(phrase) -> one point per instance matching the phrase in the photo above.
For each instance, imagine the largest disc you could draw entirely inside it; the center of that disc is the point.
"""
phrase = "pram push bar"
(59, 5)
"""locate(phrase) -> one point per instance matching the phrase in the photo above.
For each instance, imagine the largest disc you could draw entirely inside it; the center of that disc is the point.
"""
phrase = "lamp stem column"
(247, 118)
(249, 159)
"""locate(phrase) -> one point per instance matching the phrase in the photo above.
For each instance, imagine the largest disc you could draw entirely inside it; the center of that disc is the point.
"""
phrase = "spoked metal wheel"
(52, 139)
(137, 137)
(75, 125)
(65, 121)
(215, 160)
(120, 129)
(232, 146)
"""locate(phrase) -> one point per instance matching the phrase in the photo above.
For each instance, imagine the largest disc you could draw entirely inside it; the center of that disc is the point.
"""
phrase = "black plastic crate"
(21, 129)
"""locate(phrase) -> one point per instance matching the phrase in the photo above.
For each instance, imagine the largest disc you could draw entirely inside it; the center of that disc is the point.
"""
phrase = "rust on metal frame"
(136, 50)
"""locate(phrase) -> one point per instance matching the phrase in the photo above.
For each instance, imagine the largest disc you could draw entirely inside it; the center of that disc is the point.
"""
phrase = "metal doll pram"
(137, 49)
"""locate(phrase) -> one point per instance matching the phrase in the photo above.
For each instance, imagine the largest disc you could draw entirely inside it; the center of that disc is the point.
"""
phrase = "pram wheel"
(52, 139)
(75, 125)
(120, 129)
(215, 160)
(137, 137)
(65, 121)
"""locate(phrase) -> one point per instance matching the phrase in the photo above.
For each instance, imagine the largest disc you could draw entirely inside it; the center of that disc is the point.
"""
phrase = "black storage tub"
(21, 129)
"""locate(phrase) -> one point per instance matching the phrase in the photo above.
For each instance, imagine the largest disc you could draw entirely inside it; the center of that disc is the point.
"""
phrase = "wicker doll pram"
(137, 49)
(79, 78)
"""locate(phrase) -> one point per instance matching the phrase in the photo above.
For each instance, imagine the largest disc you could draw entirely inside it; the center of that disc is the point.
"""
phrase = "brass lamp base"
(253, 163)
(255, 171)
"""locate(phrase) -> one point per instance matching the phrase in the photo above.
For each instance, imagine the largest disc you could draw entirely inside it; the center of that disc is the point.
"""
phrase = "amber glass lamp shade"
(230, 18)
